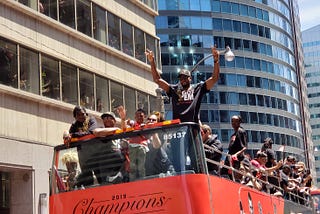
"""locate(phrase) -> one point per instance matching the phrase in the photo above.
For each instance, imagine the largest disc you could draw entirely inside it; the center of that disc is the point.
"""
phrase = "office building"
(264, 84)
(55, 55)
(311, 47)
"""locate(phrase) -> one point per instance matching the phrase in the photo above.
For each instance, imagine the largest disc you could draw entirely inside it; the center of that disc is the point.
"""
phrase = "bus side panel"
(232, 197)
(291, 207)
(176, 194)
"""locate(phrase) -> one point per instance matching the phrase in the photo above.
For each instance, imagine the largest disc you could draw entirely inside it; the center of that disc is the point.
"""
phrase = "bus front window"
(130, 156)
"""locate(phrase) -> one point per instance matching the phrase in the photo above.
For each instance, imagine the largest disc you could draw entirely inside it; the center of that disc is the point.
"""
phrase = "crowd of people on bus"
(287, 178)
(286, 175)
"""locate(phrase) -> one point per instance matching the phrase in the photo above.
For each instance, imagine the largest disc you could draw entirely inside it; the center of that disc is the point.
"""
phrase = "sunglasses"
(152, 119)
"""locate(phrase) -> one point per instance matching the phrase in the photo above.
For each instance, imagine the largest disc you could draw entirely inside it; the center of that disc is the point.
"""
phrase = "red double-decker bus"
(92, 176)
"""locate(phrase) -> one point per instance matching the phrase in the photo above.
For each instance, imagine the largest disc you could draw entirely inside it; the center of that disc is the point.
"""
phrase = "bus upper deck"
(156, 169)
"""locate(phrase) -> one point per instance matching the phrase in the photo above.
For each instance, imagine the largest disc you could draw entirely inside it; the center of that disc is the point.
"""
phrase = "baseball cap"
(109, 113)
(184, 72)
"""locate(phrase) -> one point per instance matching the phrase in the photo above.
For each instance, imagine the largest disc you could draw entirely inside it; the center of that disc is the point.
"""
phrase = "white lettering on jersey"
(187, 95)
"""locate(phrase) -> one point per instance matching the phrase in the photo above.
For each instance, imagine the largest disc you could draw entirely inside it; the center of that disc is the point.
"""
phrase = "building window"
(233, 98)
(130, 101)
(127, 38)
(224, 116)
(227, 25)
(217, 24)
(204, 116)
(5, 192)
(113, 31)
(86, 84)
(235, 8)
(223, 97)
(243, 100)
(50, 77)
(99, 24)
(253, 117)
(84, 17)
(214, 116)
(29, 71)
(116, 95)
(244, 116)
(252, 99)
(102, 94)
(69, 88)
(139, 44)
(8, 63)
(32, 4)
(67, 12)
(151, 45)
(50, 8)
(142, 100)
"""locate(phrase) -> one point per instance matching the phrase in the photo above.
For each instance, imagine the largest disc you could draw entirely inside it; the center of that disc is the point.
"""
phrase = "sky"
(309, 13)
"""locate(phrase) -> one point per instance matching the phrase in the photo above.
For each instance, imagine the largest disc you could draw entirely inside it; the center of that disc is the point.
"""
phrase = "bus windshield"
(152, 152)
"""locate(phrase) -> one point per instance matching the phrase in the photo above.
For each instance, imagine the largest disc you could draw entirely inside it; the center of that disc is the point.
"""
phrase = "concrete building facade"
(55, 55)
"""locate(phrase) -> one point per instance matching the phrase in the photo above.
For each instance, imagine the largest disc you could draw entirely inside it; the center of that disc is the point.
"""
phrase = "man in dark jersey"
(186, 98)
(186, 101)
(237, 145)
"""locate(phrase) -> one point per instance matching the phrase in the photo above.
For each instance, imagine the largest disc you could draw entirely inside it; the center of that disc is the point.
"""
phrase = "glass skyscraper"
(311, 47)
(264, 84)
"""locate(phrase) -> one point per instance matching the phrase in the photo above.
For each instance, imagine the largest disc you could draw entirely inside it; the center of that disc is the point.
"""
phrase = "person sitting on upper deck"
(214, 153)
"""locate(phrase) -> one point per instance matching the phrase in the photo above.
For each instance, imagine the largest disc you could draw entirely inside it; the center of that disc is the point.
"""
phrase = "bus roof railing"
(269, 185)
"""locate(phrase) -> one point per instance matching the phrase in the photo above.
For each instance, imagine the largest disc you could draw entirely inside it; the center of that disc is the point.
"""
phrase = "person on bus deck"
(215, 152)
(246, 176)
(285, 183)
(186, 98)
(112, 168)
(70, 160)
(267, 144)
(237, 145)
(138, 147)
(259, 163)
(83, 125)
(157, 160)
(160, 117)
(186, 101)
(267, 148)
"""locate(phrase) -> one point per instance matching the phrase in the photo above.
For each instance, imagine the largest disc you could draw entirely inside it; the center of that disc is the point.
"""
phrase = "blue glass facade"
(261, 84)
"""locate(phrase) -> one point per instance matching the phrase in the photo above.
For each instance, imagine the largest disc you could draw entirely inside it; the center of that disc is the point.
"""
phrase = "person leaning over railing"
(248, 178)
(211, 153)
(262, 172)
(83, 125)
(112, 169)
